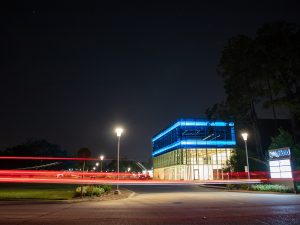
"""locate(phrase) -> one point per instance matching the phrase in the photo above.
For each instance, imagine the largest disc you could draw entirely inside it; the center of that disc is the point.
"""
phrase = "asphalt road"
(161, 205)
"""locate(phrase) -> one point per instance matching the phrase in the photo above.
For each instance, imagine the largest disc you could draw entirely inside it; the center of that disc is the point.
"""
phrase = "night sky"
(72, 72)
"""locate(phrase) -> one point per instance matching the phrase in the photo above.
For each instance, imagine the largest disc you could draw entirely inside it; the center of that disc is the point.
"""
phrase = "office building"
(193, 149)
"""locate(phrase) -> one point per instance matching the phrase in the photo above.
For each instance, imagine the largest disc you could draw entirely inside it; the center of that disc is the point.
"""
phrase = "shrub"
(98, 191)
(271, 187)
(106, 187)
(78, 191)
(89, 191)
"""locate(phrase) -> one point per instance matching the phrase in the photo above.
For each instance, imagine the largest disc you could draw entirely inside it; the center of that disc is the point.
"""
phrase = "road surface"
(161, 205)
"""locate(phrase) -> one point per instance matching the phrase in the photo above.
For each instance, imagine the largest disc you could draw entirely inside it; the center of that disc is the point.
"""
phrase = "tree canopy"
(262, 69)
(84, 153)
(285, 139)
(32, 147)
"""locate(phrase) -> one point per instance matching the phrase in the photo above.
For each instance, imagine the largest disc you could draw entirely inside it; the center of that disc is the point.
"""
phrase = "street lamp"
(128, 169)
(245, 137)
(101, 159)
(119, 132)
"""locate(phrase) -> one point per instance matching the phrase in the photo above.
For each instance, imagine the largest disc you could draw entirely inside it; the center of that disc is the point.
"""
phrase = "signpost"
(280, 164)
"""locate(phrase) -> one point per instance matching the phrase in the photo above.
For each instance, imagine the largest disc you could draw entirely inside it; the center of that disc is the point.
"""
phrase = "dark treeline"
(264, 70)
(36, 148)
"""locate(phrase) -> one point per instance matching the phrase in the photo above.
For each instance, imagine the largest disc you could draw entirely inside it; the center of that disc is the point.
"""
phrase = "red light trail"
(79, 177)
(47, 158)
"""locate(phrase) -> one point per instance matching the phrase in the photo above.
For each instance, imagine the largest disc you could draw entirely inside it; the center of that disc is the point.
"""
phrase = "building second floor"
(194, 133)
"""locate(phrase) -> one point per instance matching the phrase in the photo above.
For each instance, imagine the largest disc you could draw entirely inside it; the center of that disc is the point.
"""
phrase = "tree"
(32, 147)
(83, 153)
(278, 45)
(285, 139)
(235, 163)
(264, 69)
(241, 82)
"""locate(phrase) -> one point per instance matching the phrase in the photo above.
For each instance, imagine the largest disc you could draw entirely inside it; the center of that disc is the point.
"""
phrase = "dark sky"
(71, 72)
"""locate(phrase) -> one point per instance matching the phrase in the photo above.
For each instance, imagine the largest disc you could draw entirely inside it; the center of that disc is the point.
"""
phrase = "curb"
(212, 186)
(261, 192)
(246, 191)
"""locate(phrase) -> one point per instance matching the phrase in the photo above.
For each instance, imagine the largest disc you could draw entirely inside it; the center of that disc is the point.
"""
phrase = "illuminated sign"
(280, 163)
(283, 153)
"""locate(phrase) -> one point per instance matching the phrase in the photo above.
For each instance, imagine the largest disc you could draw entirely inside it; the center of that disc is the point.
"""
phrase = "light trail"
(47, 158)
(121, 182)
(78, 177)
(126, 178)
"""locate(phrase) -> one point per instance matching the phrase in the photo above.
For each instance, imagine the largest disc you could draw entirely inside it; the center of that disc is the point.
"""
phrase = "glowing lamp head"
(245, 136)
(101, 157)
(97, 164)
(119, 131)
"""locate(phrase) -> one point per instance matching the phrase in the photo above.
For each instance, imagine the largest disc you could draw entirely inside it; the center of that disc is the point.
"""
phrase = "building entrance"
(196, 174)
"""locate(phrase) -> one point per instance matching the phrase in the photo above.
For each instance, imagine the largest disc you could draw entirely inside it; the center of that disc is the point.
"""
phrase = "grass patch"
(36, 191)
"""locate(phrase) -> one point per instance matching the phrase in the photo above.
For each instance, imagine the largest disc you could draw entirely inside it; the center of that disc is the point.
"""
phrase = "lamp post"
(245, 137)
(119, 132)
(101, 160)
(97, 164)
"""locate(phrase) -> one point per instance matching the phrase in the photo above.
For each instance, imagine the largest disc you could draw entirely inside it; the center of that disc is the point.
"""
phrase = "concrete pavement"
(161, 205)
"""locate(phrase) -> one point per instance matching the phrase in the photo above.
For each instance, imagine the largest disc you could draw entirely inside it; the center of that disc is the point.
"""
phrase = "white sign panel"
(281, 168)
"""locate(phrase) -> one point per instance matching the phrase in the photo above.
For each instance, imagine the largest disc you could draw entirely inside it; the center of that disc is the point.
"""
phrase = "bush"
(89, 191)
(78, 191)
(106, 187)
(98, 191)
(271, 187)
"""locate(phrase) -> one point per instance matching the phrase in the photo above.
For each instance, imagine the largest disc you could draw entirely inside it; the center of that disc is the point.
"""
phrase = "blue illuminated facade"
(194, 133)
(200, 146)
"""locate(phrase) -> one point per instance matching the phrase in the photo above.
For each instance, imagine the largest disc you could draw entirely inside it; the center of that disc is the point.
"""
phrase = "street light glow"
(101, 159)
(245, 136)
(119, 131)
